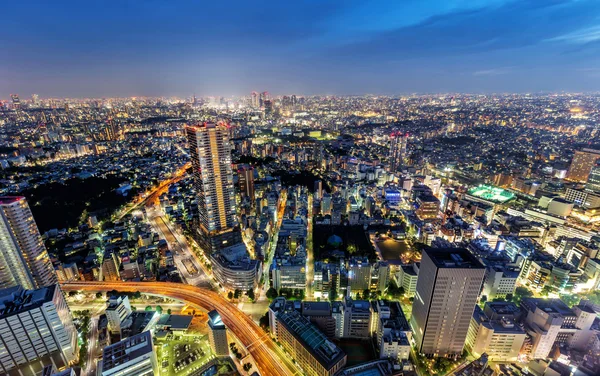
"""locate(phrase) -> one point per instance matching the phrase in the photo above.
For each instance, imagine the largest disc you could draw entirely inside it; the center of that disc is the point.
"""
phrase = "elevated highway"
(268, 356)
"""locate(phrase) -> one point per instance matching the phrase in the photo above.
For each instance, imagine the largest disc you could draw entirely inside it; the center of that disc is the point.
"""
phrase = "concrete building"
(447, 290)
(428, 207)
(117, 310)
(359, 275)
(246, 182)
(36, 329)
(24, 260)
(210, 152)
(581, 165)
(217, 334)
(134, 356)
(499, 281)
(357, 318)
(316, 355)
(494, 331)
(391, 330)
(407, 277)
(547, 321)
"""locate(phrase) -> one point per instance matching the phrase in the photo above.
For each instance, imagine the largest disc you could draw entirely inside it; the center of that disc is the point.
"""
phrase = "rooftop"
(127, 349)
(325, 351)
(491, 193)
(459, 258)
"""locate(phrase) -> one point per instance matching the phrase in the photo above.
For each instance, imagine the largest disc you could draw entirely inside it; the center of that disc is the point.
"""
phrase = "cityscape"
(289, 228)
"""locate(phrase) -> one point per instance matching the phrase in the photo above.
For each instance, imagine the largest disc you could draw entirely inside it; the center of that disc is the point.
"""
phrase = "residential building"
(24, 260)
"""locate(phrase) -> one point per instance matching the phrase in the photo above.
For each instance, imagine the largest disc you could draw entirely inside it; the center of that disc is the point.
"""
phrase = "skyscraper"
(24, 260)
(36, 328)
(246, 181)
(397, 153)
(254, 100)
(447, 290)
(318, 189)
(583, 162)
(210, 153)
(217, 334)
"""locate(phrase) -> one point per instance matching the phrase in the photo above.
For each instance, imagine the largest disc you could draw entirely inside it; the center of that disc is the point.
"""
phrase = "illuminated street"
(267, 355)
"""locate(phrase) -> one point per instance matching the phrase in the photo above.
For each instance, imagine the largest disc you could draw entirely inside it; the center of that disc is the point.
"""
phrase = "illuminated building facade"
(583, 162)
(210, 153)
(24, 260)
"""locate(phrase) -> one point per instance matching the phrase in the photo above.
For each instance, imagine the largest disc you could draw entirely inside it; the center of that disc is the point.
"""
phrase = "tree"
(520, 293)
(250, 294)
(509, 297)
(247, 367)
(264, 321)
(271, 293)
(98, 295)
(72, 293)
(483, 299)
(332, 293)
(366, 294)
(237, 293)
(358, 296)
(148, 308)
(169, 311)
(230, 295)
(159, 309)
(546, 290)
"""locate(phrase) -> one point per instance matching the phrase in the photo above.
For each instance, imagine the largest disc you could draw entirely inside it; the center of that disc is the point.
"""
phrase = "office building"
(316, 355)
(210, 154)
(447, 290)
(36, 330)
(428, 207)
(583, 162)
(117, 310)
(551, 321)
(318, 189)
(246, 182)
(499, 281)
(356, 318)
(24, 260)
(134, 356)
(359, 275)
(593, 181)
(494, 331)
(397, 154)
(217, 334)
(391, 330)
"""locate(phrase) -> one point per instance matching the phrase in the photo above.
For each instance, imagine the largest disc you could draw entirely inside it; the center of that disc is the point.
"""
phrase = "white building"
(36, 328)
(493, 331)
(116, 312)
(134, 356)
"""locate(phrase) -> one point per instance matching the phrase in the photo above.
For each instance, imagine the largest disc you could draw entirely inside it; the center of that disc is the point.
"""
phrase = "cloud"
(492, 72)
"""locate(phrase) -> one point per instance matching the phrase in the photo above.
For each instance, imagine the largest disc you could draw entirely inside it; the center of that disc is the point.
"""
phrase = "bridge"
(270, 359)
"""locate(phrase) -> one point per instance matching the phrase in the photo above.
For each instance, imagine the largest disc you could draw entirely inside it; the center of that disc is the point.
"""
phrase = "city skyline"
(341, 48)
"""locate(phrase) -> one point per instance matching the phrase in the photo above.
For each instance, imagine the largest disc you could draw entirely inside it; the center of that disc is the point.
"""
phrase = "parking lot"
(183, 355)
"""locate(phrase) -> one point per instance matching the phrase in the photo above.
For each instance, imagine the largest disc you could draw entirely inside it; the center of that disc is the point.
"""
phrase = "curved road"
(270, 359)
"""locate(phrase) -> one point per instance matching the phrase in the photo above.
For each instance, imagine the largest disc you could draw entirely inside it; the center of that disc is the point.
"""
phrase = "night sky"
(170, 47)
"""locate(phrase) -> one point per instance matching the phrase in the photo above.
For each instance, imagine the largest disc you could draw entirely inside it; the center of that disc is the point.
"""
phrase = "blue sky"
(174, 47)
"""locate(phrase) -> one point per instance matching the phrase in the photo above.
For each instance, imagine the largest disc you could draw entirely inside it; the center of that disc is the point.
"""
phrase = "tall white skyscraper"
(447, 290)
(36, 329)
(210, 152)
(24, 260)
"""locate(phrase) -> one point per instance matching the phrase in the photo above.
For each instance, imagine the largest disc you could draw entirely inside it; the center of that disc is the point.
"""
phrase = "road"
(92, 355)
(269, 358)
(153, 194)
(275, 235)
(178, 244)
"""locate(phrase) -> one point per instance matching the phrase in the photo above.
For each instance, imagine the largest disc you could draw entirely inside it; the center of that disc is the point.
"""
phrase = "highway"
(269, 358)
